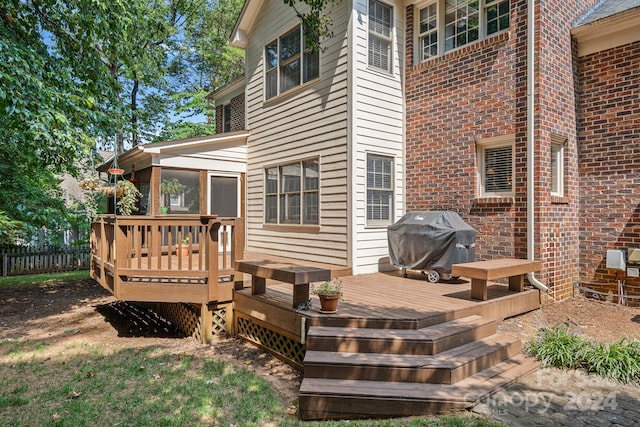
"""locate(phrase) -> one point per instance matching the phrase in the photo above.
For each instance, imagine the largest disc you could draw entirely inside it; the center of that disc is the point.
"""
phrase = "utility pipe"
(531, 144)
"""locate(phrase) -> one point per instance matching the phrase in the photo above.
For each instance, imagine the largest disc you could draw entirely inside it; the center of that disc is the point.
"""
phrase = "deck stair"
(370, 373)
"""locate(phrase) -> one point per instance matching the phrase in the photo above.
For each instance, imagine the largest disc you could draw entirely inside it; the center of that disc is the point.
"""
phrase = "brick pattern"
(237, 115)
(479, 91)
(609, 143)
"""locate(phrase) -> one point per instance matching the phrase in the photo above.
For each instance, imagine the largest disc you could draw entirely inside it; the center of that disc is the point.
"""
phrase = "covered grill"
(431, 241)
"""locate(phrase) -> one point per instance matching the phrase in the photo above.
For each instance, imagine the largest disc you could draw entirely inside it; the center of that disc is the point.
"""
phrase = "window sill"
(290, 92)
(479, 201)
(377, 226)
(559, 200)
(292, 228)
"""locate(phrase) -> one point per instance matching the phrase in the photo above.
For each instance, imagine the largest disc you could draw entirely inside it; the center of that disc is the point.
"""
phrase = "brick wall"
(479, 91)
(609, 144)
(237, 115)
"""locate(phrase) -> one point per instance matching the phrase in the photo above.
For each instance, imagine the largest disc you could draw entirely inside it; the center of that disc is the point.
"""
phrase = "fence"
(43, 259)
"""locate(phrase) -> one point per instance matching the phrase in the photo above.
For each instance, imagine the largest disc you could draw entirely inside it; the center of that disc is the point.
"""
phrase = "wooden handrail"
(169, 248)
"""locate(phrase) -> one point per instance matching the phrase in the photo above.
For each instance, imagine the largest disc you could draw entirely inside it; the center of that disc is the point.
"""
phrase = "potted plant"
(126, 193)
(185, 247)
(329, 293)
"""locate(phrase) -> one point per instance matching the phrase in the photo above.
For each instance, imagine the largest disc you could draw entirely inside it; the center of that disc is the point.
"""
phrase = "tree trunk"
(134, 110)
(119, 143)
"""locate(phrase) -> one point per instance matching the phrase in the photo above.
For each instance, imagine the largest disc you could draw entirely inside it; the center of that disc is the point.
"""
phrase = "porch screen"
(224, 196)
(180, 191)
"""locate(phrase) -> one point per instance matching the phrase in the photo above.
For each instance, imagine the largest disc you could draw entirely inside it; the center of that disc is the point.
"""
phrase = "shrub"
(619, 361)
(558, 347)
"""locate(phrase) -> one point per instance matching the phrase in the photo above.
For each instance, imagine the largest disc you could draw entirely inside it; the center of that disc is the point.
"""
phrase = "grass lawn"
(93, 383)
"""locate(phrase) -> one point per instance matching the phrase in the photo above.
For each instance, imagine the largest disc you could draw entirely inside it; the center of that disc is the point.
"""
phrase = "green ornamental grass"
(560, 348)
(618, 361)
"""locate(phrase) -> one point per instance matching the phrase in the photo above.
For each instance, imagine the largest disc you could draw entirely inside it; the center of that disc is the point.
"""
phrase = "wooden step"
(430, 340)
(447, 367)
(343, 399)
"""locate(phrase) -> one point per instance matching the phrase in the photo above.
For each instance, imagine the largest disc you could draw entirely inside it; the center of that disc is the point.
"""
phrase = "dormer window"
(289, 63)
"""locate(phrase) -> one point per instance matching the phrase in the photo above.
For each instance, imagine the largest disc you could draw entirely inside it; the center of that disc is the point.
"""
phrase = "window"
(379, 189)
(380, 18)
(291, 193)
(288, 63)
(444, 25)
(557, 165)
(226, 118)
(495, 160)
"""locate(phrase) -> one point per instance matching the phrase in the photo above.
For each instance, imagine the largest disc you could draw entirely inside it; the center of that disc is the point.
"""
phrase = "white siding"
(309, 121)
(228, 157)
(378, 117)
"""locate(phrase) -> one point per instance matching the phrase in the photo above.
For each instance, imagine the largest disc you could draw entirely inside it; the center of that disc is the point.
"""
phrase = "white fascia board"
(607, 33)
(156, 148)
(240, 34)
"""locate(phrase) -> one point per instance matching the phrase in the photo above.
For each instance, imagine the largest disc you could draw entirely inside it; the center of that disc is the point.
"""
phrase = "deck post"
(212, 258)
(206, 324)
(121, 254)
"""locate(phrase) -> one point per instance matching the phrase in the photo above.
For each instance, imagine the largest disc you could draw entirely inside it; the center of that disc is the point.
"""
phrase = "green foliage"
(558, 347)
(329, 287)
(9, 229)
(127, 195)
(185, 130)
(316, 22)
(619, 361)
(127, 203)
(204, 62)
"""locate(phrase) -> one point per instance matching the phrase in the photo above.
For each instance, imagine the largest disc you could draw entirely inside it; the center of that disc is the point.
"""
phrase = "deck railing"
(176, 258)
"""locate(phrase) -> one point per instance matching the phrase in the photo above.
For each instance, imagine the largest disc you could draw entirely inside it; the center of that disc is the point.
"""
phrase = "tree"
(45, 121)
(204, 62)
(316, 22)
(123, 43)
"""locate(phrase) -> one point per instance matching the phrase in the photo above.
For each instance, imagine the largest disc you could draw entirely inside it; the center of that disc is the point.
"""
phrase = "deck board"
(389, 300)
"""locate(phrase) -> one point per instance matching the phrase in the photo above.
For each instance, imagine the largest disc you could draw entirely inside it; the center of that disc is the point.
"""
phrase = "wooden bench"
(482, 271)
(298, 275)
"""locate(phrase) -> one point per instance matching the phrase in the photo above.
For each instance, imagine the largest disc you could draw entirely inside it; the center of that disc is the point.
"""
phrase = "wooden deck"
(388, 300)
(396, 347)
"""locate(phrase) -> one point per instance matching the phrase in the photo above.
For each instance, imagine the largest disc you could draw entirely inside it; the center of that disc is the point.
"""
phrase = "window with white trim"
(292, 193)
(557, 165)
(496, 167)
(380, 40)
(289, 63)
(379, 189)
(444, 25)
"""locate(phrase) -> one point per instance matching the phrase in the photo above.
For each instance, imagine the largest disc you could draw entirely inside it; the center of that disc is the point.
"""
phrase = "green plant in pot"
(185, 246)
(329, 292)
(168, 188)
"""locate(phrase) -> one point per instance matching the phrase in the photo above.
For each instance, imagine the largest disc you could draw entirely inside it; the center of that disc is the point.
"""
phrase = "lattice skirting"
(285, 348)
(187, 319)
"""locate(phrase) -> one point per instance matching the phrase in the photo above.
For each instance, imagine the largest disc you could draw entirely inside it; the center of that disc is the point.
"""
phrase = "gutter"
(531, 144)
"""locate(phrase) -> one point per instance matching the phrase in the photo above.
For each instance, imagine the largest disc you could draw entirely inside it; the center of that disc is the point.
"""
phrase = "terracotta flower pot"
(329, 303)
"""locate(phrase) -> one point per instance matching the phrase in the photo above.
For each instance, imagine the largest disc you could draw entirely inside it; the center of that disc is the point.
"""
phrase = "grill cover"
(431, 240)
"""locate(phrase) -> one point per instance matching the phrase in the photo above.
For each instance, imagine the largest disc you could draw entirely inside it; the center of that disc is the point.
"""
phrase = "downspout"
(531, 144)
